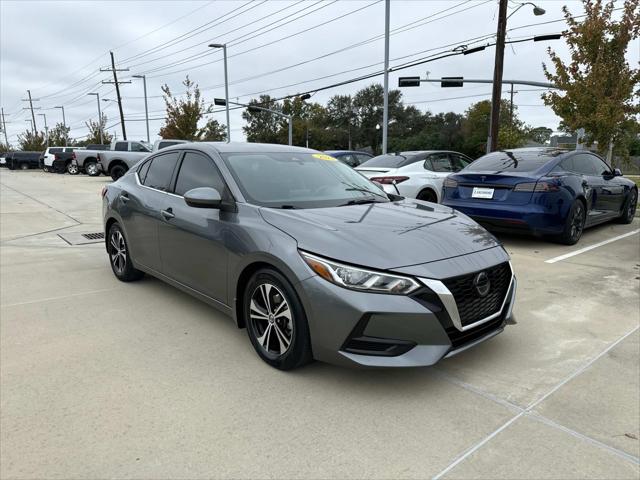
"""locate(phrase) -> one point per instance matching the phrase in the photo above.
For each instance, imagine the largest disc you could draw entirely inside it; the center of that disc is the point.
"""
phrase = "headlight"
(359, 278)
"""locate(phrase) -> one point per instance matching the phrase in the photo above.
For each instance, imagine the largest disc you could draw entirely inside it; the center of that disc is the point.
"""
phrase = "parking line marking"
(58, 298)
(591, 247)
(528, 411)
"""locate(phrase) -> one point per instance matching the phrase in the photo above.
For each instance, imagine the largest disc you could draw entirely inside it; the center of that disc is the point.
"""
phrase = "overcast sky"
(56, 49)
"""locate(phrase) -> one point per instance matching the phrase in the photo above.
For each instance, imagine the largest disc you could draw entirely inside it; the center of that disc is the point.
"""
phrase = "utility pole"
(117, 84)
(4, 129)
(33, 115)
(385, 111)
(494, 118)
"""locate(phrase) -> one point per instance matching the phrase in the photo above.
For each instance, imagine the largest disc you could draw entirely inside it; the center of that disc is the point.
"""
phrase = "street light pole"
(385, 111)
(64, 124)
(223, 46)
(146, 107)
(99, 115)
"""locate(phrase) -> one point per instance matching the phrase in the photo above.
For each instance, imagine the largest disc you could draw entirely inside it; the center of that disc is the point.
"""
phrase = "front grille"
(459, 339)
(471, 306)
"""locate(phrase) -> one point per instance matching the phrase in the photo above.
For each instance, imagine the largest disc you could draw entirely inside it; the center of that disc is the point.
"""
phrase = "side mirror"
(203, 197)
(617, 172)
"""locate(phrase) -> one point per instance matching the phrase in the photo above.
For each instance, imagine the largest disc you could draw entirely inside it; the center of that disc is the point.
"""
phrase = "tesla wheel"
(117, 171)
(427, 196)
(629, 210)
(574, 224)
(119, 256)
(275, 321)
(92, 169)
(72, 168)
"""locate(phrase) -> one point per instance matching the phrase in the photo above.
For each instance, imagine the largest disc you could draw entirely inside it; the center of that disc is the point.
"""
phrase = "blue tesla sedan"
(542, 191)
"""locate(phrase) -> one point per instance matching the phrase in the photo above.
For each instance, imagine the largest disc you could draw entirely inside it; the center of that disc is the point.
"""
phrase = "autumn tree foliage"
(598, 89)
(184, 114)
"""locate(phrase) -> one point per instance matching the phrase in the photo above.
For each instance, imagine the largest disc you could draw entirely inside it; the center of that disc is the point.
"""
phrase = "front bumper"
(376, 330)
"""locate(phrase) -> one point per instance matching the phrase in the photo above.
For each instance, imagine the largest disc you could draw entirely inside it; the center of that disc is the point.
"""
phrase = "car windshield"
(299, 180)
(511, 161)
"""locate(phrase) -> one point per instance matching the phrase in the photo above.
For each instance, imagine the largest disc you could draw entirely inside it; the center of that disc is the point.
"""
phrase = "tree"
(476, 125)
(540, 134)
(184, 114)
(596, 87)
(368, 104)
(94, 133)
(32, 142)
(4, 148)
(263, 126)
(59, 135)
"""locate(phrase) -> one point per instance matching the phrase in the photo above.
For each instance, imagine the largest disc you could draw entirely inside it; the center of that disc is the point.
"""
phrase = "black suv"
(23, 160)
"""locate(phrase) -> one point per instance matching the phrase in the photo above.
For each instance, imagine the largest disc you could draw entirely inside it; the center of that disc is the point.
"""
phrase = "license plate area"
(481, 192)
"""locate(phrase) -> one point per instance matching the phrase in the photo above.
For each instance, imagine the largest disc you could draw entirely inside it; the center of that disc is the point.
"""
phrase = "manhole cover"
(79, 238)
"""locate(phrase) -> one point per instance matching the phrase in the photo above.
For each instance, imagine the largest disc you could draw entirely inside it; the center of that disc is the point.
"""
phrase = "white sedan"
(418, 174)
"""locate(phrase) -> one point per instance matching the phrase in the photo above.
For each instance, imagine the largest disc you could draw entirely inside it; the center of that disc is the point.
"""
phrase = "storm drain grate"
(94, 236)
(79, 238)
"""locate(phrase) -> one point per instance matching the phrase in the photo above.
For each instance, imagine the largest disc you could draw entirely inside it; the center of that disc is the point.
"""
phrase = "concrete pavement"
(104, 379)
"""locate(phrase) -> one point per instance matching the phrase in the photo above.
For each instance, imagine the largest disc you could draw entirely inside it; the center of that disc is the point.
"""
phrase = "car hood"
(383, 235)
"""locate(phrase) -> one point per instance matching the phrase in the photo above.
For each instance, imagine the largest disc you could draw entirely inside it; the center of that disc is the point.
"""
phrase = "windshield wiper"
(365, 190)
(360, 201)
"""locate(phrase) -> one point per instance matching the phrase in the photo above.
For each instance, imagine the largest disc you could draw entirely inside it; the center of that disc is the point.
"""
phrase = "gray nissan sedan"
(312, 258)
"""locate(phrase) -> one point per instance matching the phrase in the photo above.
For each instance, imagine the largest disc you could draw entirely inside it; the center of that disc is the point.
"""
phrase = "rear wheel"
(629, 210)
(72, 168)
(24, 166)
(276, 322)
(117, 171)
(428, 196)
(92, 169)
(119, 256)
(46, 169)
(574, 224)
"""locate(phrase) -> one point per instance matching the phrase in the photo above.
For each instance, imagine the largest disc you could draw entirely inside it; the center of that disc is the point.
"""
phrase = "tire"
(427, 195)
(119, 257)
(24, 166)
(92, 169)
(45, 169)
(72, 168)
(117, 171)
(280, 339)
(629, 210)
(574, 224)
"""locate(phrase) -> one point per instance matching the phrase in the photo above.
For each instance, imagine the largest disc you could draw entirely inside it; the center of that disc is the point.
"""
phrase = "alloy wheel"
(92, 169)
(271, 320)
(577, 221)
(72, 169)
(118, 252)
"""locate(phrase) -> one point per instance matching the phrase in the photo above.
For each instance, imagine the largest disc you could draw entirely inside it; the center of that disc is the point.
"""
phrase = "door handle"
(167, 214)
(124, 196)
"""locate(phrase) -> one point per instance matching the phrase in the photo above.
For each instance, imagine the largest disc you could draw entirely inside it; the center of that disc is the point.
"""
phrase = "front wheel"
(276, 322)
(72, 168)
(119, 256)
(574, 224)
(629, 210)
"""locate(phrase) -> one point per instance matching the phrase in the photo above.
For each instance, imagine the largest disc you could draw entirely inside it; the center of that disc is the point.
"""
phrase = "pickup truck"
(123, 152)
(120, 157)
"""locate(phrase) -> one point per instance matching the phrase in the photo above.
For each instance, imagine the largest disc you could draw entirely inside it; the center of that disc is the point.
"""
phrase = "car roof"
(242, 147)
(338, 152)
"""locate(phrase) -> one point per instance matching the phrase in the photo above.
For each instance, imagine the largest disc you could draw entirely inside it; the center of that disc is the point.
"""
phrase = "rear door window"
(55, 150)
(138, 147)
(440, 162)
(121, 146)
(160, 171)
(198, 170)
